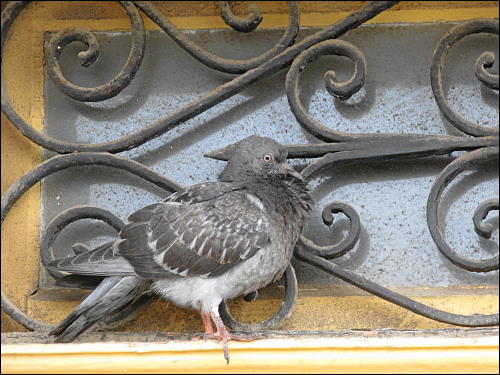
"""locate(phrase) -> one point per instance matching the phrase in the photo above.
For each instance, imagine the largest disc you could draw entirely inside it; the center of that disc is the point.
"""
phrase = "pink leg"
(224, 334)
(209, 329)
(207, 323)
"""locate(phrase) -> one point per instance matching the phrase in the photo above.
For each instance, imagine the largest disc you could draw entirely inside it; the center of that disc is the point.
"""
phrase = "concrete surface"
(395, 247)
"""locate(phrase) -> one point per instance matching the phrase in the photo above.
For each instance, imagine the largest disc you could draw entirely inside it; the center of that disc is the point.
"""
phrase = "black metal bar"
(241, 24)
(58, 163)
(383, 146)
(476, 320)
(484, 229)
(286, 308)
(340, 147)
(213, 97)
(445, 177)
(88, 57)
(438, 61)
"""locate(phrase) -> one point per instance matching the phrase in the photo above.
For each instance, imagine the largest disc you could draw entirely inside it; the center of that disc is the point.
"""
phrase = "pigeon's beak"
(290, 171)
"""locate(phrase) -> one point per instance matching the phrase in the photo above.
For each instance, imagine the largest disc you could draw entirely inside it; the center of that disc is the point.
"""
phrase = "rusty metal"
(53, 165)
(88, 57)
(241, 24)
(336, 147)
(444, 179)
(284, 312)
(190, 110)
(484, 61)
(484, 229)
(475, 320)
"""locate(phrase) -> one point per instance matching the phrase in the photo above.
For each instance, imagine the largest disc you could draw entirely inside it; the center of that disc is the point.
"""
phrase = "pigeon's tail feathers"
(97, 262)
(75, 329)
(112, 296)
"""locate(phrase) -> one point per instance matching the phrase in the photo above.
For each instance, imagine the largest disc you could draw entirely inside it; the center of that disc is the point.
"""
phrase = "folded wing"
(201, 234)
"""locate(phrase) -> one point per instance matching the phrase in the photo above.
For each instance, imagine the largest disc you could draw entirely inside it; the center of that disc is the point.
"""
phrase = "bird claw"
(226, 352)
(225, 339)
(230, 336)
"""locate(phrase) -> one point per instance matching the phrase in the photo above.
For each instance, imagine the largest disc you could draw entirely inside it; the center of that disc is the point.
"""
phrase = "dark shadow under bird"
(212, 242)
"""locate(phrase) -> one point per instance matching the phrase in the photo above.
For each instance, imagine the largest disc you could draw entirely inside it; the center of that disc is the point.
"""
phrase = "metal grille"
(471, 146)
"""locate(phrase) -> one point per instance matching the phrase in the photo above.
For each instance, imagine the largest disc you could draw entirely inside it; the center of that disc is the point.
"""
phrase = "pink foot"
(223, 334)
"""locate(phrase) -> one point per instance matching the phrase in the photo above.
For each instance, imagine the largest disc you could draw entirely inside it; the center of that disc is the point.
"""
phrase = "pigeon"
(212, 242)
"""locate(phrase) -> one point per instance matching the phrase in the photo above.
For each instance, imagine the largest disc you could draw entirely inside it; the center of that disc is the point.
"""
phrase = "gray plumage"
(212, 242)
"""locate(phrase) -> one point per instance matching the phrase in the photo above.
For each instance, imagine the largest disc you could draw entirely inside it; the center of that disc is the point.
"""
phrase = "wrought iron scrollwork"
(223, 64)
(483, 229)
(485, 60)
(190, 110)
(336, 147)
(342, 91)
(88, 57)
(475, 320)
(444, 179)
(53, 165)
(346, 244)
(241, 24)
(284, 312)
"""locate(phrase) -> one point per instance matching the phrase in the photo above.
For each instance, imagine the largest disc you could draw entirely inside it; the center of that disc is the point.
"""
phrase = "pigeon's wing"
(100, 261)
(203, 231)
(204, 192)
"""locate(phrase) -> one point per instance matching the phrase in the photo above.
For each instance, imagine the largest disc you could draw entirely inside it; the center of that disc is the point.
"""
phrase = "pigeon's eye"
(267, 158)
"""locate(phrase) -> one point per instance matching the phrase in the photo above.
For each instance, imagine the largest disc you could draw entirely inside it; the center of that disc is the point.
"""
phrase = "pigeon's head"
(258, 158)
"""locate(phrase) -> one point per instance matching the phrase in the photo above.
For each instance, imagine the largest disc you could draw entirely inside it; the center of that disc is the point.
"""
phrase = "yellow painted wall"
(23, 69)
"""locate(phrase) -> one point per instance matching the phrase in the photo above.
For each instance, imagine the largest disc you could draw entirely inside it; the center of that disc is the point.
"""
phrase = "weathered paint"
(310, 355)
(20, 231)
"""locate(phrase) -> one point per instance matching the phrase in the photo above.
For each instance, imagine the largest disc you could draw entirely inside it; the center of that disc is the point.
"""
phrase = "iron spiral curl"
(241, 24)
(451, 171)
(168, 122)
(346, 244)
(116, 84)
(342, 147)
(485, 60)
(58, 163)
(483, 229)
(219, 63)
(342, 91)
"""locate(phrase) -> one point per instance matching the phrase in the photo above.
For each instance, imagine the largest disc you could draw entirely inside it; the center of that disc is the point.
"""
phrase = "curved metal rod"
(342, 91)
(105, 91)
(486, 60)
(116, 84)
(445, 177)
(341, 248)
(66, 217)
(475, 320)
(219, 63)
(213, 97)
(241, 24)
(20, 317)
(438, 59)
(484, 229)
(61, 162)
(286, 309)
